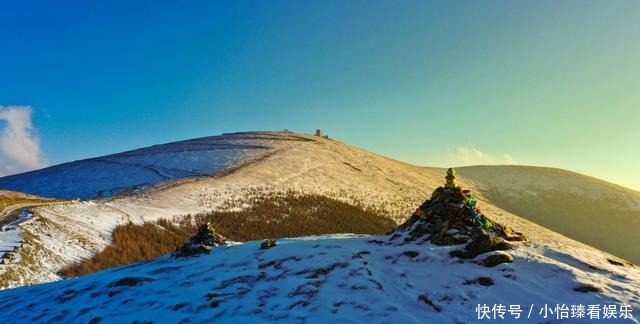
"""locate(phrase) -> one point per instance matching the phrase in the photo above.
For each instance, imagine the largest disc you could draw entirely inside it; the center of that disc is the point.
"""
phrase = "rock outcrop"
(267, 244)
(202, 242)
(451, 217)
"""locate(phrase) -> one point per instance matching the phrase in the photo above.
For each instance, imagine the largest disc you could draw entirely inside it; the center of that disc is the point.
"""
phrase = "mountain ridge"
(303, 163)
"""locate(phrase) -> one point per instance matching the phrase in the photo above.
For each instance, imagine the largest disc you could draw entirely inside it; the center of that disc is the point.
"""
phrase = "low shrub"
(278, 215)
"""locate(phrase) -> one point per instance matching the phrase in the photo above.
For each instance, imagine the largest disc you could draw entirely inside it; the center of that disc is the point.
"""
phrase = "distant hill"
(593, 211)
(113, 174)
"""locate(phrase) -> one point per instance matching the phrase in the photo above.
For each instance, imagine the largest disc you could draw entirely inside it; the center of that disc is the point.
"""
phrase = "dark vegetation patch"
(133, 243)
(592, 267)
(360, 255)
(130, 281)
(277, 264)
(243, 280)
(66, 296)
(163, 270)
(214, 299)
(411, 254)
(614, 262)
(316, 273)
(356, 305)
(585, 288)
(180, 306)
(483, 281)
(425, 299)
(290, 214)
(293, 214)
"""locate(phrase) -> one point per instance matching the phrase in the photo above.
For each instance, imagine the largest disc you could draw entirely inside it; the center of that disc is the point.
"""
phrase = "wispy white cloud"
(19, 142)
(508, 159)
(464, 155)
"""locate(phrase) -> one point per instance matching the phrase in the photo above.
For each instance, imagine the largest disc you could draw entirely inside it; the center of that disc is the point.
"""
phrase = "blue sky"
(433, 83)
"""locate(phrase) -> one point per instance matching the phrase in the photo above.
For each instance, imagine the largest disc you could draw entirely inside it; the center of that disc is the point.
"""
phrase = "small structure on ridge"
(320, 133)
(451, 179)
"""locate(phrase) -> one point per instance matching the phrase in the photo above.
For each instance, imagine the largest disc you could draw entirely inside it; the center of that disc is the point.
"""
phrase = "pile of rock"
(202, 242)
(267, 244)
(450, 217)
(7, 258)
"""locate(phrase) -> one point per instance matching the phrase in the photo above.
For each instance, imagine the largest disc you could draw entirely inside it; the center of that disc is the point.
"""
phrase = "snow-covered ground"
(109, 175)
(67, 233)
(285, 161)
(10, 239)
(344, 278)
(338, 279)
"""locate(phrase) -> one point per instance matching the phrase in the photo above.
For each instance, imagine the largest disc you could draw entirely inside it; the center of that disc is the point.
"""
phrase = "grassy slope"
(275, 216)
(601, 214)
(12, 198)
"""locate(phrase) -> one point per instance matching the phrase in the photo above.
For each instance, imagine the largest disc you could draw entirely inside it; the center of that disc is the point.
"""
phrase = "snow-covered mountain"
(214, 173)
(340, 279)
(112, 174)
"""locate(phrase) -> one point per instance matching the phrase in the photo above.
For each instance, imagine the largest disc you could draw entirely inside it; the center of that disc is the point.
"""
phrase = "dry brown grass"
(288, 215)
(10, 198)
(294, 215)
(133, 243)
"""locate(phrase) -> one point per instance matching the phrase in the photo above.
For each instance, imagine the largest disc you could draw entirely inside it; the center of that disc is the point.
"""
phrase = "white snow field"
(109, 175)
(239, 165)
(339, 279)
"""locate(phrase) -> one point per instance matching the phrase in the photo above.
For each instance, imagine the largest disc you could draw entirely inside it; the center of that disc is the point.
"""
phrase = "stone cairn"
(451, 217)
(267, 244)
(202, 242)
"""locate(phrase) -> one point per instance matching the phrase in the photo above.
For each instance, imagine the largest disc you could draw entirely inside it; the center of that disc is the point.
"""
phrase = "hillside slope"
(306, 164)
(10, 199)
(601, 214)
(112, 174)
(333, 278)
(279, 162)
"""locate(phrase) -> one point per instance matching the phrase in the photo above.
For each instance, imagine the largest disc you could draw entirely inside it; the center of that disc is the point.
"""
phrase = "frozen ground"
(337, 279)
